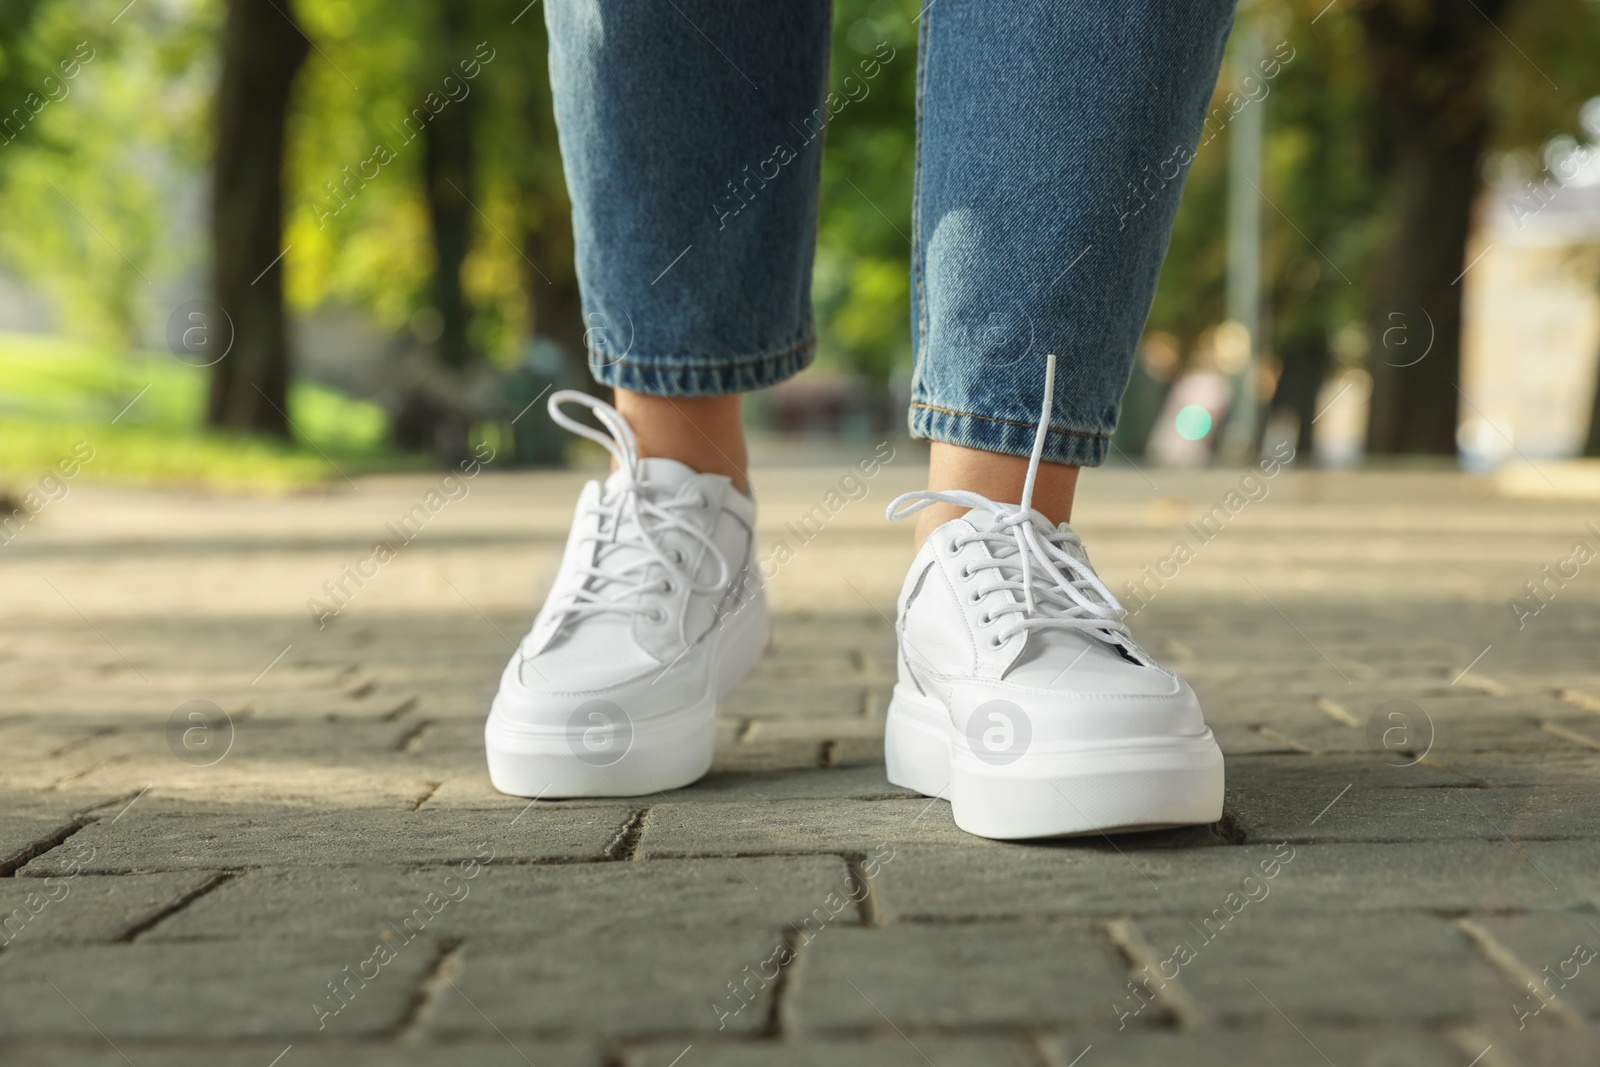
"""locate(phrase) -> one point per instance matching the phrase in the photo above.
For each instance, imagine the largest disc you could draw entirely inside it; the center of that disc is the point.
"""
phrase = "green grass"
(55, 393)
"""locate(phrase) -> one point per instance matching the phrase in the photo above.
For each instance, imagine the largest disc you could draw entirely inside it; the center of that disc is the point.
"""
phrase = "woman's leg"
(691, 135)
(1052, 146)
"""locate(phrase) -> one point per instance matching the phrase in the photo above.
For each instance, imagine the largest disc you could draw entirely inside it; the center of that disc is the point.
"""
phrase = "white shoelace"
(630, 518)
(1030, 557)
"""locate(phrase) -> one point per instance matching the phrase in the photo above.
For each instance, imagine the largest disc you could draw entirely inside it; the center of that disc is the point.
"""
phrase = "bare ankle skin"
(997, 477)
(702, 432)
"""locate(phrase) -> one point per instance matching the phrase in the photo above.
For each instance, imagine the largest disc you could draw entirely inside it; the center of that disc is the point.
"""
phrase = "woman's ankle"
(705, 433)
(996, 476)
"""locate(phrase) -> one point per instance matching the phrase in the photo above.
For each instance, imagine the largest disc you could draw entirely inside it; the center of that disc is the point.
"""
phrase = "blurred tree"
(86, 104)
(1319, 174)
(1431, 63)
(862, 280)
(1454, 82)
(449, 166)
(262, 48)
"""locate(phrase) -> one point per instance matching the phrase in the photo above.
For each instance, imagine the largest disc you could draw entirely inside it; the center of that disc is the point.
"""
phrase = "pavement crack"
(1579, 699)
(81, 742)
(35, 849)
(625, 846)
(1336, 711)
(870, 907)
(1267, 733)
(777, 1021)
(1178, 1003)
(1472, 780)
(433, 787)
(1493, 950)
(405, 707)
(149, 921)
(1570, 735)
(411, 740)
(62, 783)
(446, 963)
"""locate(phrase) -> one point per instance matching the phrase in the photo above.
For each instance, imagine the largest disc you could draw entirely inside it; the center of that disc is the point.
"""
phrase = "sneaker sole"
(664, 752)
(1143, 784)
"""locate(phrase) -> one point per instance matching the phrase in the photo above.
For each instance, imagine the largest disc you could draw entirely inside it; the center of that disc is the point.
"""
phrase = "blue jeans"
(1053, 142)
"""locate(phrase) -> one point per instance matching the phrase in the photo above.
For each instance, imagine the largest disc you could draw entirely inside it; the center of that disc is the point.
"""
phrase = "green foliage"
(862, 286)
(108, 126)
(58, 392)
(357, 221)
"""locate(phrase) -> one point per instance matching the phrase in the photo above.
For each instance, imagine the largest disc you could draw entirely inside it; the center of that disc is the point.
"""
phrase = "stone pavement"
(230, 837)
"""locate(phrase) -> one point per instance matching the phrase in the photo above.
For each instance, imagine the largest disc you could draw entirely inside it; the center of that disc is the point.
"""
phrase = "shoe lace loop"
(1030, 557)
(631, 520)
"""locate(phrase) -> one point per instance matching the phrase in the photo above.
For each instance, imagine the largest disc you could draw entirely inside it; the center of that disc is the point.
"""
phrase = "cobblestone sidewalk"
(229, 836)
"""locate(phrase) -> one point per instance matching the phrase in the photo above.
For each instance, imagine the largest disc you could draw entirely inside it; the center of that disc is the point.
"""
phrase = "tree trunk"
(448, 173)
(1305, 364)
(1431, 63)
(262, 48)
(1591, 443)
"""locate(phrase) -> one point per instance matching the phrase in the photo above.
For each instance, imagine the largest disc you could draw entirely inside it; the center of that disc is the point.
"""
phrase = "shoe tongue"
(984, 519)
(657, 472)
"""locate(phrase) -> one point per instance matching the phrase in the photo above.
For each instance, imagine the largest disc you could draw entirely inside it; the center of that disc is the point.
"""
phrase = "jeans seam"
(1009, 422)
(916, 204)
(668, 364)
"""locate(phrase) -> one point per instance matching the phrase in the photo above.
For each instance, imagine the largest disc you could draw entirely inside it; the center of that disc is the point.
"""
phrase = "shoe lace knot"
(627, 525)
(1044, 565)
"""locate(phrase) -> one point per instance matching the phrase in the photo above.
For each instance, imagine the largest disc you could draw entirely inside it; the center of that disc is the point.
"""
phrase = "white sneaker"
(1021, 697)
(656, 612)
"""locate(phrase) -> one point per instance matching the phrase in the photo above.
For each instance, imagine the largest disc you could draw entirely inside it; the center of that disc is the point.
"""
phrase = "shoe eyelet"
(995, 642)
(985, 619)
(669, 586)
(975, 598)
(658, 616)
(701, 500)
(954, 548)
(678, 556)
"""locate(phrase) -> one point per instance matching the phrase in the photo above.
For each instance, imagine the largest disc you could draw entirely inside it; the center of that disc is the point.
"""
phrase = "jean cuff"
(1067, 445)
(691, 376)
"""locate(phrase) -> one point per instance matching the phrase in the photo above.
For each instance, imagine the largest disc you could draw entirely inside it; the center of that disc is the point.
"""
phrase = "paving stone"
(800, 699)
(1558, 951)
(1365, 814)
(651, 980)
(172, 840)
(1329, 774)
(682, 829)
(600, 899)
(1374, 1045)
(806, 783)
(1541, 1046)
(935, 882)
(979, 976)
(25, 834)
(1249, 962)
(1400, 578)
(314, 1051)
(1528, 769)
(202, 989)
(893, 1051)
(87, 907)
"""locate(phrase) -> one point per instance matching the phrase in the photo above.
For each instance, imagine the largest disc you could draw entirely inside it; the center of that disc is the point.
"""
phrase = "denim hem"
(685, 376)
(1011, 437)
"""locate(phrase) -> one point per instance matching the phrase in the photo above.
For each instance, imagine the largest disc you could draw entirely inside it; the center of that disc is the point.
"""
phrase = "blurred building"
(1532, 316)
